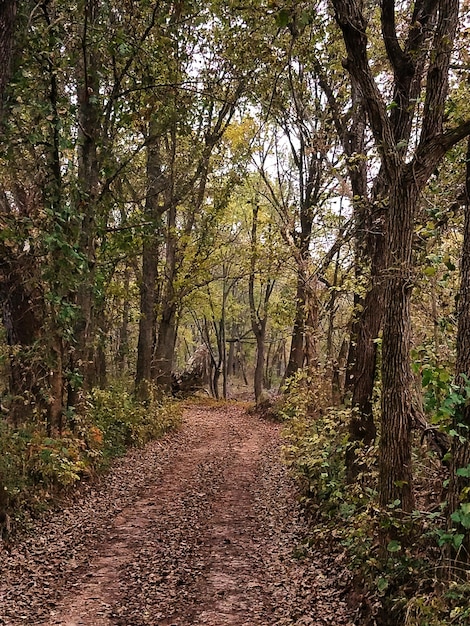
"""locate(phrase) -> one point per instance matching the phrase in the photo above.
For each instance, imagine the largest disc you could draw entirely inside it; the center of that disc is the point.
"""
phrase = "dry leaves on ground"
(200, 528)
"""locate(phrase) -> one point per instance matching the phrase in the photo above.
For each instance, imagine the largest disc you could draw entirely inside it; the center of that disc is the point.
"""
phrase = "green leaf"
(382, 583)
(464, 472)
(427, 377)
(462, 515)
(444, 376)
(394, 546)
(282, 18)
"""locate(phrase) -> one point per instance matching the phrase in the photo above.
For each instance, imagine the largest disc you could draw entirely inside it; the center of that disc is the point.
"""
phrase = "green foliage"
(35, 467)
(400, 576)
(440, 609)
(444, 397)
(314, 448)
(316, 441)
(462, 515)
(125, 422)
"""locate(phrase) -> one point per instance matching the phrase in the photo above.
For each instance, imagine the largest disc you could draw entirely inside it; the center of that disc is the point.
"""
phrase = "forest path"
(201, 528)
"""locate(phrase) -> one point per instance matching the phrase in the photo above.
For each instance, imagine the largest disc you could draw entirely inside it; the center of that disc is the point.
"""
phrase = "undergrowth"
(36, 467)
(404, 583)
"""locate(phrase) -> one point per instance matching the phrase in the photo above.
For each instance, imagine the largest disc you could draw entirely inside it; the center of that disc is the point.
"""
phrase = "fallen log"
(195, 375)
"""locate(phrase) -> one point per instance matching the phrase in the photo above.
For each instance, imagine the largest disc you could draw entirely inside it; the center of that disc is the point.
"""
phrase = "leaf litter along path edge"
(200, 528)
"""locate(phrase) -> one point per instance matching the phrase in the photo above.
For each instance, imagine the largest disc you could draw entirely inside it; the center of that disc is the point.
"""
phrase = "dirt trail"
(201, 528)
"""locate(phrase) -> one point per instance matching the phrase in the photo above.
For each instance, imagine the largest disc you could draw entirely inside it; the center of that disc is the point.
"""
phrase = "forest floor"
(200, 528)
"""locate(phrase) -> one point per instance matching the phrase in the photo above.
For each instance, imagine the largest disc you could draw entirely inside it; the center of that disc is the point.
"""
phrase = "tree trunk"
(57, 387)
(258, 315)
(122, 353)
(167, 327)
(395, 468)
(338, 373)
(259, 365)
(369, 309)
(164, 354)
(223, 346)
(7, 25)
(215, 382)
(150, 256)
(147, 319)
(23, 320)
(362, 359)
(241, 362)
(230, 368)
(89, 132)
(311, 324)
(303, 332)
(297, 349)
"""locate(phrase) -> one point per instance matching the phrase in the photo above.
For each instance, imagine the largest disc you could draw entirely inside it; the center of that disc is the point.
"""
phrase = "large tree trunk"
(89, 132)
(164, 354)
(23, 320)
(362, 357)
(260, 333)
(167, 327)
(297, 352)
(7, 25)
(395, 469)
(154, 210)
(147, 319)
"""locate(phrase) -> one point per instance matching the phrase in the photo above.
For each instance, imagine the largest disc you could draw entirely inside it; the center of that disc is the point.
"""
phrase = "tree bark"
(362, 357)
(122, 353)
(154, 210)
(260, 334)
(164, 354)
(395, 468)
(7, 26)
(404, 179)
(147, 319)
(258, 315)
(167, 327)
(89, 132)
(23, 321)
(297, 349)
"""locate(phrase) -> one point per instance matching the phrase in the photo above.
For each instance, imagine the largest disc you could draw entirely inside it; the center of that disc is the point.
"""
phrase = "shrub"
(124, 422)
(35, 467)
(401, 581)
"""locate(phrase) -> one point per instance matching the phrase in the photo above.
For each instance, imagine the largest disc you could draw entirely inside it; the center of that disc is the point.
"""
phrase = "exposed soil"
(199, 528)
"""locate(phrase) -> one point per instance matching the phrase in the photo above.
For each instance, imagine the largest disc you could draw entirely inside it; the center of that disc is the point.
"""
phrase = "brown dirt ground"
(200, 528)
